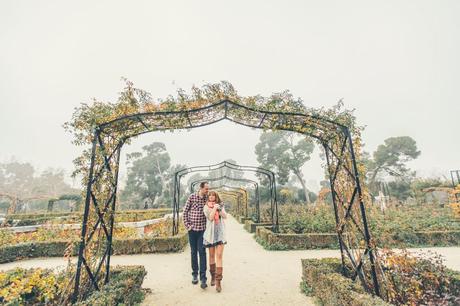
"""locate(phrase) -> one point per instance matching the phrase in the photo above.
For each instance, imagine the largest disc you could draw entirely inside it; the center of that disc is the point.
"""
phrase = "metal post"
(336, 213)
(363, 214)
(112, 218)
(85, 218)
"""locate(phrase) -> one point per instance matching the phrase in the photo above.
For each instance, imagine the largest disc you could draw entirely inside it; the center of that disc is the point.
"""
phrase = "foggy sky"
(396, 62)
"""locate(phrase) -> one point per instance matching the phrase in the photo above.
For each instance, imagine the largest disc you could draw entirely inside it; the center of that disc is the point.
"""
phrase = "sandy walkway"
(252, 275)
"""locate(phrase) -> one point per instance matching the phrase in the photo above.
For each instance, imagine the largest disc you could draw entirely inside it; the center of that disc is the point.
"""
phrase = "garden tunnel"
(243, 180)
(267, 174)
(356, 246)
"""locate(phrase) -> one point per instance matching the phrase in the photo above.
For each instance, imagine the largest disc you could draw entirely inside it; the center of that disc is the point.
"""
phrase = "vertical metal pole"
(363, 214)
(174, 205)
(85, 217)
(112, 217)
(336, 212)
(258, 203)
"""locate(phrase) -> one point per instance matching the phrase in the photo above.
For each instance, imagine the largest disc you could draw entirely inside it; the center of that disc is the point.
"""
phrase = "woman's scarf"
(216, 215)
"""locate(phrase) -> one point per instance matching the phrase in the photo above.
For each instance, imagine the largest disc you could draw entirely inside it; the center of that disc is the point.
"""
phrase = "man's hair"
(202, 184)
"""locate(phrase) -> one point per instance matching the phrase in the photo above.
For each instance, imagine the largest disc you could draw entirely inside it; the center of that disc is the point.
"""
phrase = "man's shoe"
(195, 280)
(203, 284)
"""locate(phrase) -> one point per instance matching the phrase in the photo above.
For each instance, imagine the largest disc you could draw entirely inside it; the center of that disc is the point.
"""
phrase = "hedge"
(323, 279)
(251, 226)
(242, 219)
(120, 216)
(124, 288)
(38, 286)
(276, 241)
(120, 246)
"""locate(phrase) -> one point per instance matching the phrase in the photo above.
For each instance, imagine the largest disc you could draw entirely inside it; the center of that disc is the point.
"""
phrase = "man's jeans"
(195, 239)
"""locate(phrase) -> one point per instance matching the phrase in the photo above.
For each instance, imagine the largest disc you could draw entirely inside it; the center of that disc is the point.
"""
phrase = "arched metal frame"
(237, 190)
(225, 177)
(236, 195)
(270, 175)
(102, 181)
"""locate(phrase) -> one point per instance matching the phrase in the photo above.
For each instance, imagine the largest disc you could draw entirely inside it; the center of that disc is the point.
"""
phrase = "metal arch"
(225, 164)
(334, 136)
(237, 190)
(256, 189)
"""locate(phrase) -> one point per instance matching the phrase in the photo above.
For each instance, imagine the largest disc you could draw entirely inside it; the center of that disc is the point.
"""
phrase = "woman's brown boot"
(218, 279)
(212, 269)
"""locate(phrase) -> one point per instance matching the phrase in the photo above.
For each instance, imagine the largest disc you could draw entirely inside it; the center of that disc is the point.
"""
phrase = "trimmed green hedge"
(323, 279)
(120, 246)
(276, 241)
(75, 217)
(242, 219)
(124, 288)
(251, 226)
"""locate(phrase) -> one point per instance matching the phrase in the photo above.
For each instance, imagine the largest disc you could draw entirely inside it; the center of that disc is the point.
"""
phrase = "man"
(195, 222)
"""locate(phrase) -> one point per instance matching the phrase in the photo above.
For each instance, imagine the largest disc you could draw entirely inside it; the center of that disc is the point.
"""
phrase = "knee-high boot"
(212, 269)
(218, 279)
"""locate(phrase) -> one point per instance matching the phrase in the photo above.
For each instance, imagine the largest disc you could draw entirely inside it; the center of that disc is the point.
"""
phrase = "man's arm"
(185, 215)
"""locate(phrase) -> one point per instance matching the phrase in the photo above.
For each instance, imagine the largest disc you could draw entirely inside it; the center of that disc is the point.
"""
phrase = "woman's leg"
(212, 255)
(219, 269)
(212, 264)
(219, 254)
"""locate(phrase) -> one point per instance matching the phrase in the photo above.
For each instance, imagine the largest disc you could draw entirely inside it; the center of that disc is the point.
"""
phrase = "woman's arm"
(223, 213)
(209, 213)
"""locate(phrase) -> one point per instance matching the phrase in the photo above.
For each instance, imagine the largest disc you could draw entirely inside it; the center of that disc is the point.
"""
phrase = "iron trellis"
(270, 175)
(225, 177)
(356, 245)
(237, 192)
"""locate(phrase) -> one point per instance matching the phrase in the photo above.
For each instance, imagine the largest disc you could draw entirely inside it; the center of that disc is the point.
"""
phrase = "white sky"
(397, 62)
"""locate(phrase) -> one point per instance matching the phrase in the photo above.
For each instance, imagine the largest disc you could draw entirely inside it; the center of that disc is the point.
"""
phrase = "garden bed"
(242, 219)
(276, 241)
(76, 217)
(45, 287)
(425, 281)
(281, 241)
(251, 226)
(147, 245)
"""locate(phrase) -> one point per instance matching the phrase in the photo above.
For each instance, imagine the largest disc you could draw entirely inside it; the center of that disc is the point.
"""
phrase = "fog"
(395, 62)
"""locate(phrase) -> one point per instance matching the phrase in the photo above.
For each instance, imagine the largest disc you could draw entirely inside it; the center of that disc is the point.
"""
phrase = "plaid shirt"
(194, 217)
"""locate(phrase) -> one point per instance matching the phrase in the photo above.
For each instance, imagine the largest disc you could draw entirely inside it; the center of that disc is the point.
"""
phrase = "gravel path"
(252, 275)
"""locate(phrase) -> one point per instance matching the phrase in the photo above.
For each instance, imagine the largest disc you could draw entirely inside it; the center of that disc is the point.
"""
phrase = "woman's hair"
(214, 193)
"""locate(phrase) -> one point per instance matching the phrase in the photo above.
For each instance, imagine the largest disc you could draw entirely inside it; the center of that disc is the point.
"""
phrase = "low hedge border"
(322, 279)
(275, 241)
(21, 251)
(124, 288)
(32, 219)
(242, 219)
(251, 226)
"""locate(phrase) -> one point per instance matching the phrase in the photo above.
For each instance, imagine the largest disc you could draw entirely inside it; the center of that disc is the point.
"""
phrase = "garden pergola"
(268, 174)
(108, 137)
(243, 180)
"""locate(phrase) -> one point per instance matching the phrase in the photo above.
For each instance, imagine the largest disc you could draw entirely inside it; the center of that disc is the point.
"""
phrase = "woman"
(214, 236)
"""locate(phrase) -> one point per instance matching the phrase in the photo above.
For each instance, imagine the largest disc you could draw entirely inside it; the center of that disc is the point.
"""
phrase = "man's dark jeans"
(195, 239)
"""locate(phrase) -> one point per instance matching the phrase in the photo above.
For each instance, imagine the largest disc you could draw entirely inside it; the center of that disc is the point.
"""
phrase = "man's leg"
(193, 241)
(202, 252)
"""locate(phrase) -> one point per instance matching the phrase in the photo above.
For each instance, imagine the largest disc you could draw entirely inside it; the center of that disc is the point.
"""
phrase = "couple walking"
(204, 215)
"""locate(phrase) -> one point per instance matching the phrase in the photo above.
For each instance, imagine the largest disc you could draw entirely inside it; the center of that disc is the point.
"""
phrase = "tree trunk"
(299, 177)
